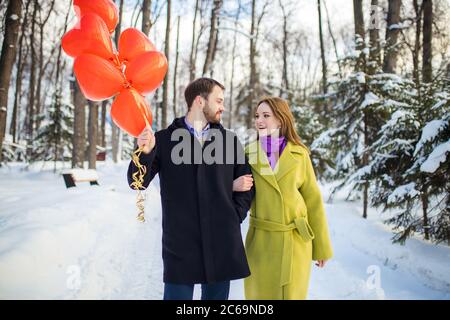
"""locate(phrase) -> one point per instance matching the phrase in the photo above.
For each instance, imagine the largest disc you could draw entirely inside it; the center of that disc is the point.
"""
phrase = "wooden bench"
(80, 175)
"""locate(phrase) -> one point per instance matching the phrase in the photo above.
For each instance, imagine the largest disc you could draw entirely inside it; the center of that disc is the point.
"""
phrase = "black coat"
(201, 214)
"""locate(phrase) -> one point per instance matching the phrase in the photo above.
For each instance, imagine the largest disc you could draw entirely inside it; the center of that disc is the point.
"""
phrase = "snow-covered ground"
(85, 243)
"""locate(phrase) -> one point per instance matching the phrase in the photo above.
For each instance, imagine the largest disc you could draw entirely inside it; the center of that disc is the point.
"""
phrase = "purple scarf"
(273, 146)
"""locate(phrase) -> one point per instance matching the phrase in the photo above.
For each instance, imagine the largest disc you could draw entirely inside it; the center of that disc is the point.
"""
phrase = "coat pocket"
(304, 229)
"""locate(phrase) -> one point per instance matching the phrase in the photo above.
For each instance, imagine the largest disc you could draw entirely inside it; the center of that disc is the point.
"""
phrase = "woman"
(288, 227)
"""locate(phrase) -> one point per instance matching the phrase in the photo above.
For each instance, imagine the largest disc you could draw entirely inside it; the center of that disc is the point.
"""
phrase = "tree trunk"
(233, 61)
(216, 45)
(424, 200)
(57, 100)
(427, 73)
(32, 83)
(333, 38)
(146, 26)
(42, 23)
(359, 32)
(392, 31)
(365, 163)
(360, 66)
(79, 126)
(191, 56)
(416, 52)
(103, 124)
(175, 70)
(92, 134)
(252, 66)
(165, 101)
(212, 37)
(116, 133)
(374, 39)
(8, 55)
(322, 51)
(146, 14)
(19, 78)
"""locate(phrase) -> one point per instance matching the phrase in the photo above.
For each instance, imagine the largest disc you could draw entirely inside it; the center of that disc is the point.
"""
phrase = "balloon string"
(138, 177)
(138, 183)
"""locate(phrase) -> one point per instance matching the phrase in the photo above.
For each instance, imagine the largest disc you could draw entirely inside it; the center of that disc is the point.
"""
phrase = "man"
(201, 214)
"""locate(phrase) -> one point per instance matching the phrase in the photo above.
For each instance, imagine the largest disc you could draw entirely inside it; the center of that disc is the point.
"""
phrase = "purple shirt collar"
(273, 146)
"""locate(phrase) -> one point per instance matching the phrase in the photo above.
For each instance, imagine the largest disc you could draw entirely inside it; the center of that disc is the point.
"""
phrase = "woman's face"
(265, 121)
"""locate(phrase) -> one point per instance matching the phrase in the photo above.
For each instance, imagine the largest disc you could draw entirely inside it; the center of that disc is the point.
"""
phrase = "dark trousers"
(212, 291)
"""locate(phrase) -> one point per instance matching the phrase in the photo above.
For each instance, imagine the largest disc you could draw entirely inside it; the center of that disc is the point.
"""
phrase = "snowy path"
(85, 243)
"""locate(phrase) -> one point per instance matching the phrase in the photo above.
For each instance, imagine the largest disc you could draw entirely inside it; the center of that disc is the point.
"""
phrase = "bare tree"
(175, 70)
(374, 39)
(116, 137)
(359, 38)
(216, 46)
(392, 30)
(416, 50)
(79, 123)
(166, 78)
(427, 75)
(359, 31)
(19, 77)
(58, 96)
(146, 12)
(233, 62)
(252, 65)
(253, 79)
(427, 37)
(213, 36)
(42, 22)
(7, 57)
(30, 115)
(92, 134)
(103, 124)
(333, 38)
(193, 46)
(322, 50)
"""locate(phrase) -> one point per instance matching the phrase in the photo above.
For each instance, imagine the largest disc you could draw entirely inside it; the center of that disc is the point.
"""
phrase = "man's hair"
(200, 87)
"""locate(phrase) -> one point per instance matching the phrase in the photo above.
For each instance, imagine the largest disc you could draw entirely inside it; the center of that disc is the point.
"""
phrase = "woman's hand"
(243, 183)
(321, 263)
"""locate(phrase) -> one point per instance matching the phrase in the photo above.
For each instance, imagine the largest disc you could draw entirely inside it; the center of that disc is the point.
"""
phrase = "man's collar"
(191, 127)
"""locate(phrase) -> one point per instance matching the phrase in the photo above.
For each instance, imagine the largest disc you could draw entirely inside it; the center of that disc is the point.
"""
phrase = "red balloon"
(146, 72)
(98, 78)
(106, 9)
(133, 42)
(91, 36)
(128, 111)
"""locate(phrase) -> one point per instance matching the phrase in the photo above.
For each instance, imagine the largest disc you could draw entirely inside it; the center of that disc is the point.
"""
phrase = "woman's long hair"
(282, 112)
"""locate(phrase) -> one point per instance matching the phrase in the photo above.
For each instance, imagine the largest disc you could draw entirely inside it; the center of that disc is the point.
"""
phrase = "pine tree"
(355, 119)
(430, 170)
(410, 165)
(309, 128)
(54, 138)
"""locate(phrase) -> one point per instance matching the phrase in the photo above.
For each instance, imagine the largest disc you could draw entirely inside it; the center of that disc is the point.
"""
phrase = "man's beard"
(209, 115)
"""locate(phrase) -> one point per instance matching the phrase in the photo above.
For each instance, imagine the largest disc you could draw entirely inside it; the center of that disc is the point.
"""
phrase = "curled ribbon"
(138, 177)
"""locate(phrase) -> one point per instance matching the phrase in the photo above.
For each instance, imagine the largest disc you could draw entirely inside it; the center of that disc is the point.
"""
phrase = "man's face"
(213, 107)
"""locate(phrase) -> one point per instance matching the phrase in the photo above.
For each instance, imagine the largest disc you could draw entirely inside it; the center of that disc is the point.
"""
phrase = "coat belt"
(303, 228)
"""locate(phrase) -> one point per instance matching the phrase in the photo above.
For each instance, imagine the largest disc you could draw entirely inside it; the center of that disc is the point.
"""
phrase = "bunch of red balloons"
(130, 72)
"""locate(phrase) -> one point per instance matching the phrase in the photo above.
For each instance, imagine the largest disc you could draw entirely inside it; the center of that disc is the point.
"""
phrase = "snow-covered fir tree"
(54, 139)
(309, 127)
(426, 186)
(355, 118)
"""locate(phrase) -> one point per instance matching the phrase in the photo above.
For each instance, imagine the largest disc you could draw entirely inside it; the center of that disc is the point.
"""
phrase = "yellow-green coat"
(288, 226)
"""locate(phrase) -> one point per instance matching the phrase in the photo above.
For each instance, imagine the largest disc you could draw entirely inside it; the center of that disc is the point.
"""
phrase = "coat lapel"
(287, 160)
(257, 159)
